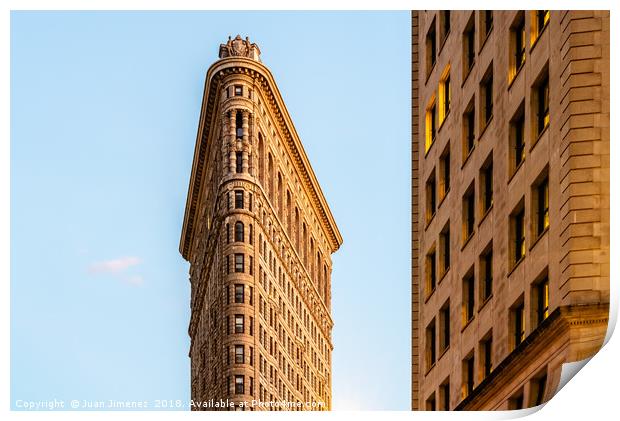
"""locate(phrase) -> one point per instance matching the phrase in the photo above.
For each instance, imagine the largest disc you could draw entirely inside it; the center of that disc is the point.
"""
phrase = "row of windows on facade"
(438, 110)
(539, 21)
(517, 243)
(440, 400)
(437, 338)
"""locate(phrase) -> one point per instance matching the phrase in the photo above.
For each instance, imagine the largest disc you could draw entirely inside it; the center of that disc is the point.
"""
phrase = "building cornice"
(263, 78)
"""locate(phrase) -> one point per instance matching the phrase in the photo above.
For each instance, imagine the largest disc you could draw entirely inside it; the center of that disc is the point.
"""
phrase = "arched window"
(270, 177)
(297, 230)
(280, 198)
(261, 159)
(239, 231)
(288, 220)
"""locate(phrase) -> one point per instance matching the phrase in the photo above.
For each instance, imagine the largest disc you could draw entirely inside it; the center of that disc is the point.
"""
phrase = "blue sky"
(104, 112)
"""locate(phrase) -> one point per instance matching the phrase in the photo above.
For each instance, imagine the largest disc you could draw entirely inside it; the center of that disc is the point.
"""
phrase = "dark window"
(519, 53)
(431, 404)
(518, 222)
(239, 231)
(445, 24)
(444, 395)
(488, 21)
(250, 234)
(542, 210)
(444, 326)
(519, 324)
(239, 162)
(431, 197)
(469, 46)
(239, 293)
(487, 187)
(516, 401)
(468, 375)
(487, 354)
(542, 298)
(542, 17)
(518, 127)
(239, 266)
(542, 111)
(431, 340)
(444, 243)
(239, 354)
(238, 199)
(468, 297)
(487, 95)
(239, 124)
(487, 274)
(469, 217)
(227, 233)
(444, 170)
(239, 323)
(431, 48)
(538, 390)
(431, 274)
(469, 130)
(239, 385)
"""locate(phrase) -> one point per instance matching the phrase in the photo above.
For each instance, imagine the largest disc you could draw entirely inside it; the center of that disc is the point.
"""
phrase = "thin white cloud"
(114, 265)
(134, 279)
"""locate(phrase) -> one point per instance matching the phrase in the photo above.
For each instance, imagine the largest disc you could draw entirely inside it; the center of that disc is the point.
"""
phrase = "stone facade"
(510, 233)
(259, 235)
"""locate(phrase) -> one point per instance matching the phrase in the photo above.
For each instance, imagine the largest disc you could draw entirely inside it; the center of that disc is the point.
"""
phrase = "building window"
(469, 46)
(486, 274)
(469, 301)
(540, 19)
(444, 327)
(517, 43)
(444, 249)
(239, 323)
(238, 90)
(516, 400)
(444, 395)
(239, 354)
(431, 341)
(239, 295)
(431, 125)
(431, 48)
(227, 233)
(468, 375)
(540, 298)
(445, 96)
(486, 97)
(251, 359)
(486, 24)
(540, 95)
(486, 356)
(431, 197)
(239, 386)
(518, 323)
(444, 25)
(239, 266)
(239, 231)
(444, 173)
(238, 162)
(540, 202)
(486, 185)
(538, 388)
(517, 234)
(431, 275)
(238, 199)
(517, 139)
(469, 213)
(469, 130)
(431, 404)
(239, 124)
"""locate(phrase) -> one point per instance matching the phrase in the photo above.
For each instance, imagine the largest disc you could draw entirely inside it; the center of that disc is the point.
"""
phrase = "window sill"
(541, 134)
(443, 198)
(443, 42)
(540, 34)
(486, 126)
(467, 323)
(429, 220)
(484, 215)
(471, 151)
(486, 38)
(444, 352)
(445, 117)
(467, 72)
(430, 369)
(484, 303)
(429, 295)
(541, 235)
(516, 75)
(515, 266)
(467, 240)
(515, 171)
(443, 275)
(430, 147)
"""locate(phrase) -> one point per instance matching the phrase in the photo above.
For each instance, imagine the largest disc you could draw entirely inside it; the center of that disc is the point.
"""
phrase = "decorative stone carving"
(239, 47)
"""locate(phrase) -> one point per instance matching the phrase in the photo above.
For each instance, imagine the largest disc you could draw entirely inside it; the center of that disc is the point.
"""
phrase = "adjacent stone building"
(510, 184)
(259, 235)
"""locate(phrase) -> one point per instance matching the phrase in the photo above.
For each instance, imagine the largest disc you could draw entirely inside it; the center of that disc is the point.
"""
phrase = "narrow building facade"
(258, 235)
(510, 218)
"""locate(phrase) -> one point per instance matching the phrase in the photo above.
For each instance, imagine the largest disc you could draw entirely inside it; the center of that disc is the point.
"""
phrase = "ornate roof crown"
(240, 47)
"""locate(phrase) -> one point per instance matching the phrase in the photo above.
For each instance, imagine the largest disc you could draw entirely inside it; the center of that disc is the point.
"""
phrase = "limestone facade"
(259, 235)
(510, 218)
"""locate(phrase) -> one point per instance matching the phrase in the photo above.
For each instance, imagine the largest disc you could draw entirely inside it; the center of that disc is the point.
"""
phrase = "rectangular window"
(486, 23)
(251, 357)
(486, 95)
(431, 48)
(468, 375)
(239, 354)
(444, 173)
(486, 356)
(444, 95)
(469, 302)
(444, 327)
(518, 322)
(469, 129)
(239, 265)
(238, 199)
(517, 139)
(239, 385)
(431, 341)
(540, 19)
(444, 24)
(238, 90)
(540, 194)
(540, 103)
(431, 275)
(431, 404)
(516, 400)
(239, 293)
(517, 233)
(444, 248)
(239, 323)
(486, 274)
(469, 46)
(431, 197)
(538, 388)
(541, 300)
(517, 43)
(444, 395)
(469, 214)
(238, 162)
(431, 125)
(486, 185)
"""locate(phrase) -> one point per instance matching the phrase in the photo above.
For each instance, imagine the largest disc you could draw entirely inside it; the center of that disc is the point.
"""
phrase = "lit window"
(540, 193)
(239, 323)
(238, 90)
(445, 96)
(238, 199)
(517, 139)
(239, 354)
(517, 41)
(239, 266)
(239, 295)
(540, 19)
(518, 320)
(468, 375)
(239, 385)
(486, 363)
(541, 297)
(239, 231)
(542, 109)
(431, 125)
